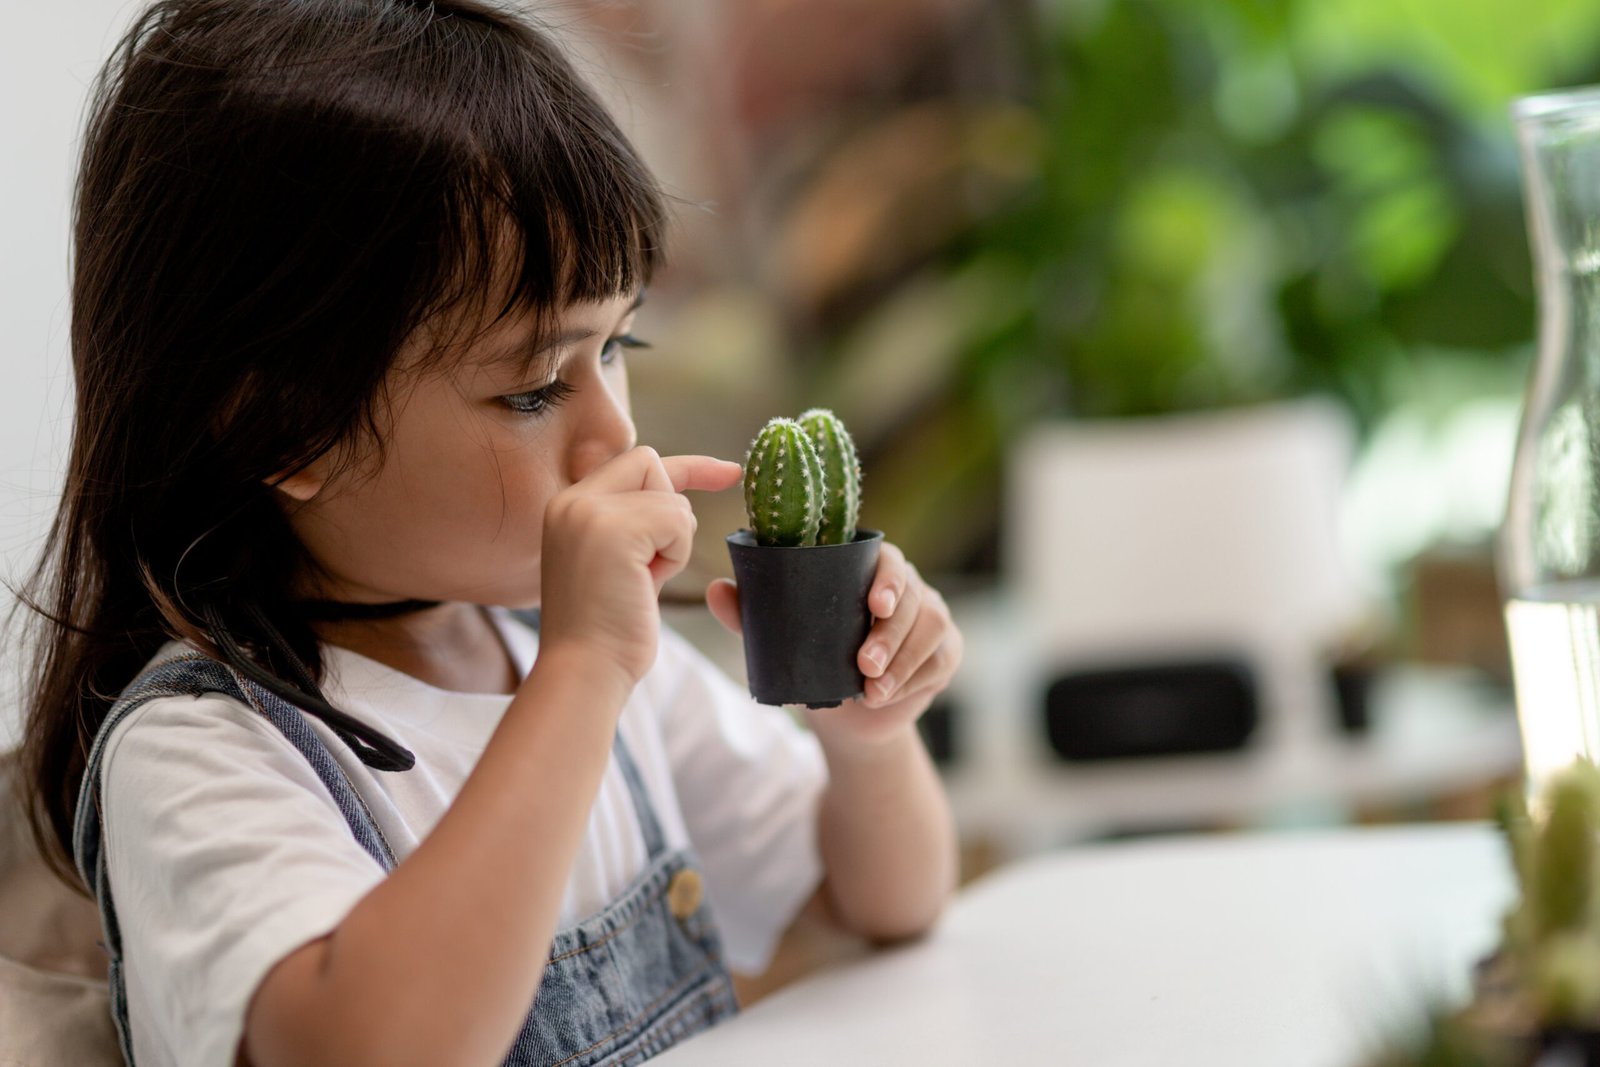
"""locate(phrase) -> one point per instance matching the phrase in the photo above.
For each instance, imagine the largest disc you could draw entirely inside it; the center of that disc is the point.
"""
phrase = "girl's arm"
(440, 962)
(887, 838)
(886, 832)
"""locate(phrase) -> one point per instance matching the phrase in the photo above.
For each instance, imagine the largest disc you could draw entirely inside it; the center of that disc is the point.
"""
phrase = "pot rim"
(744, 537)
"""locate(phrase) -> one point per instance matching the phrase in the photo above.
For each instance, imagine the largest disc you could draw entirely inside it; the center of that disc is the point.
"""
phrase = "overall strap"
(191, 674)
(295, 725)
(654, 840)
(649, 826)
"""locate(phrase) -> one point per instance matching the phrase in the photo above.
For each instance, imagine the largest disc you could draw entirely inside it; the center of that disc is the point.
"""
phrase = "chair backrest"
(54, 1005)
(1221, 528)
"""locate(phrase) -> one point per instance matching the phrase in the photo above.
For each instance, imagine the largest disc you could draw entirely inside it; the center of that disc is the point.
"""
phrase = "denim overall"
(620, 986)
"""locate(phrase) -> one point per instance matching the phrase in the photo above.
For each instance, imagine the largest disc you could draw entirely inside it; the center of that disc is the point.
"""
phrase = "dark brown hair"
(273, 196)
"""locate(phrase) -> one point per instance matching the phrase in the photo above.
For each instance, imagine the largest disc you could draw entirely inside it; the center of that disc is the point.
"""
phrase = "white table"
(1287, 949)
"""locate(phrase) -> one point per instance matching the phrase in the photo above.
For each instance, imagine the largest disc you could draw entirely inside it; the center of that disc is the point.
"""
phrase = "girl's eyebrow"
(521, 359)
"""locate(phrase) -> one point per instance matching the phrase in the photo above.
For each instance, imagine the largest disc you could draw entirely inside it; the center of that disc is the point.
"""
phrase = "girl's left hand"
(919, 645)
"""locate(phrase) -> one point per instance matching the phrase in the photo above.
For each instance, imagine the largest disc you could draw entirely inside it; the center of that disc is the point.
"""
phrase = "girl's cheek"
(528, 481)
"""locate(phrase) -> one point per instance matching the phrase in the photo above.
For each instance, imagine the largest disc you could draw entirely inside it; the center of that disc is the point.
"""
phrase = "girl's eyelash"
(540, 400)
(626, 340)
(543, 399)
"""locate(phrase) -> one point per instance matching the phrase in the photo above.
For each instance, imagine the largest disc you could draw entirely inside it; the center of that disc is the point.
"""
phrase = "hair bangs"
(548, 205)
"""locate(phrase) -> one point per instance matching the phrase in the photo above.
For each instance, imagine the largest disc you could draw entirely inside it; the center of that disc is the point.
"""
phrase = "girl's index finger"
(642, 467)
(702, 472)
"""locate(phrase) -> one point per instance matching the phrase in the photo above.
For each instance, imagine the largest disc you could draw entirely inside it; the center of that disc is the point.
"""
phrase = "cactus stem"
(840, 476)
(795, 511)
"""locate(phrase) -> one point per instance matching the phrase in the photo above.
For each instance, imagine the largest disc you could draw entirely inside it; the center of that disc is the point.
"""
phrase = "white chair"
(54, 1006)
(1143, 541)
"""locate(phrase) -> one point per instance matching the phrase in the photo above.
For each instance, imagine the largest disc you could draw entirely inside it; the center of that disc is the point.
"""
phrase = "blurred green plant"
(1550, 945)
(1542, 984)
(1192, 206)
(1442, 1039)
(1222, 214)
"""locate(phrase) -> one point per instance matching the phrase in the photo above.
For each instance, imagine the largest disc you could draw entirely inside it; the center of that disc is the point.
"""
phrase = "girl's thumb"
(722, 597)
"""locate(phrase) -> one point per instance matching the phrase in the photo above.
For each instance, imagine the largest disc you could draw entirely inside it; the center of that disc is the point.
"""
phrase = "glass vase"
(1548, 555)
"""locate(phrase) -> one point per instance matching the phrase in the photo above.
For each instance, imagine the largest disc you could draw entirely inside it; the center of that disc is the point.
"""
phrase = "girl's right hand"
(611, 541)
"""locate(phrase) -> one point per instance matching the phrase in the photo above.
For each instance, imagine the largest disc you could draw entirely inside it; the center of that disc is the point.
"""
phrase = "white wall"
(49, 54)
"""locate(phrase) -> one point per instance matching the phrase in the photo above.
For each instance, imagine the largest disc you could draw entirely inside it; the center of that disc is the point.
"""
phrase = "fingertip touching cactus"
(802, 482)
(841, 473)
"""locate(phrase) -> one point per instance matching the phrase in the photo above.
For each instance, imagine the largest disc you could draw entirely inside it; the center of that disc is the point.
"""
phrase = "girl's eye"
(541, 400)
(615, 345)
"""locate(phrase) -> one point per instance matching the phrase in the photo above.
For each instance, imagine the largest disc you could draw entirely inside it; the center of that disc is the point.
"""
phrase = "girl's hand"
(611, 541)
(920, 645)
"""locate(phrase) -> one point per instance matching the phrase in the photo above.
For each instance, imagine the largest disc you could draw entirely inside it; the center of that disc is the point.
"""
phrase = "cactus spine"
(841, 475)
(783, 486)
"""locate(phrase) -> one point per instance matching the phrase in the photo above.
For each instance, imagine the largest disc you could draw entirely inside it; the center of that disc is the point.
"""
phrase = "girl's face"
(473, 452)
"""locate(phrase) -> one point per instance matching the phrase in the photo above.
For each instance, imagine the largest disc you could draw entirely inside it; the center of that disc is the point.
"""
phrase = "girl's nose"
(605, 429)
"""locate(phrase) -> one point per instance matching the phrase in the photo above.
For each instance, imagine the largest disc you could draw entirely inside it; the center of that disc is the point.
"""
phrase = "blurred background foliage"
(946, 219)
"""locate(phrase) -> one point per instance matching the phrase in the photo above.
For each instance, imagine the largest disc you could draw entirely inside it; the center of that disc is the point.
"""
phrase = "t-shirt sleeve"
(224, 853)
(749, 781)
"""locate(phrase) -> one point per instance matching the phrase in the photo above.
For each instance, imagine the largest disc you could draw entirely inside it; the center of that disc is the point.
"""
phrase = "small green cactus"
(1544, 976)
(841, 472)
(783, 486)
(1562, 892)
(802, 482)
(1552, 933)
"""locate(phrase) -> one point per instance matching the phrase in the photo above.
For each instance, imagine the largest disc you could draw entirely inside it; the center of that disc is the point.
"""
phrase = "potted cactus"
(1543, 982)
(803, 567)
(1536, 999)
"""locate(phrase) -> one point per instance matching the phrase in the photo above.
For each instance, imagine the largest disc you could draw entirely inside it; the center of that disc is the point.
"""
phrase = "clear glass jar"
(1549, 546)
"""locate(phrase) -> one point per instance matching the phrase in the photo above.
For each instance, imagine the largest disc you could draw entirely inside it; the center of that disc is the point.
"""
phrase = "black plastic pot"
(804, 614)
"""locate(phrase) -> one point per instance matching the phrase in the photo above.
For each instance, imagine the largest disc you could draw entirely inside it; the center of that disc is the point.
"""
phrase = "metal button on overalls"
(683, 892)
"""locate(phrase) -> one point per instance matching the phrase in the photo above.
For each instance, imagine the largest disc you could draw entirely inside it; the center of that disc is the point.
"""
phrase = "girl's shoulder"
(178, 716)
(177, 767)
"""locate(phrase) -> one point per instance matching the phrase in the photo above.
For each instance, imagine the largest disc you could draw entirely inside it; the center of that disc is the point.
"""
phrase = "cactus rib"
(841, 474)
(783, 486)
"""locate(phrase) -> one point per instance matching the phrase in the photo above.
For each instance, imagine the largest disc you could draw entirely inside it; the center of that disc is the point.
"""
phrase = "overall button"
(684, 892)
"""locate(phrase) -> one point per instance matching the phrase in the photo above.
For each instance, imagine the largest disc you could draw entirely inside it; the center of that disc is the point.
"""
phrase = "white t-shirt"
(225, 852)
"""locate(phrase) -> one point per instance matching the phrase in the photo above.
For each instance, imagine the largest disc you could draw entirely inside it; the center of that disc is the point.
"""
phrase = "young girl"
(354, 281)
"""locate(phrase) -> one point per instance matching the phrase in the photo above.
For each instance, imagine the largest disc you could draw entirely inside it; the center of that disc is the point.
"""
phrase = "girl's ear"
(303, 484)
